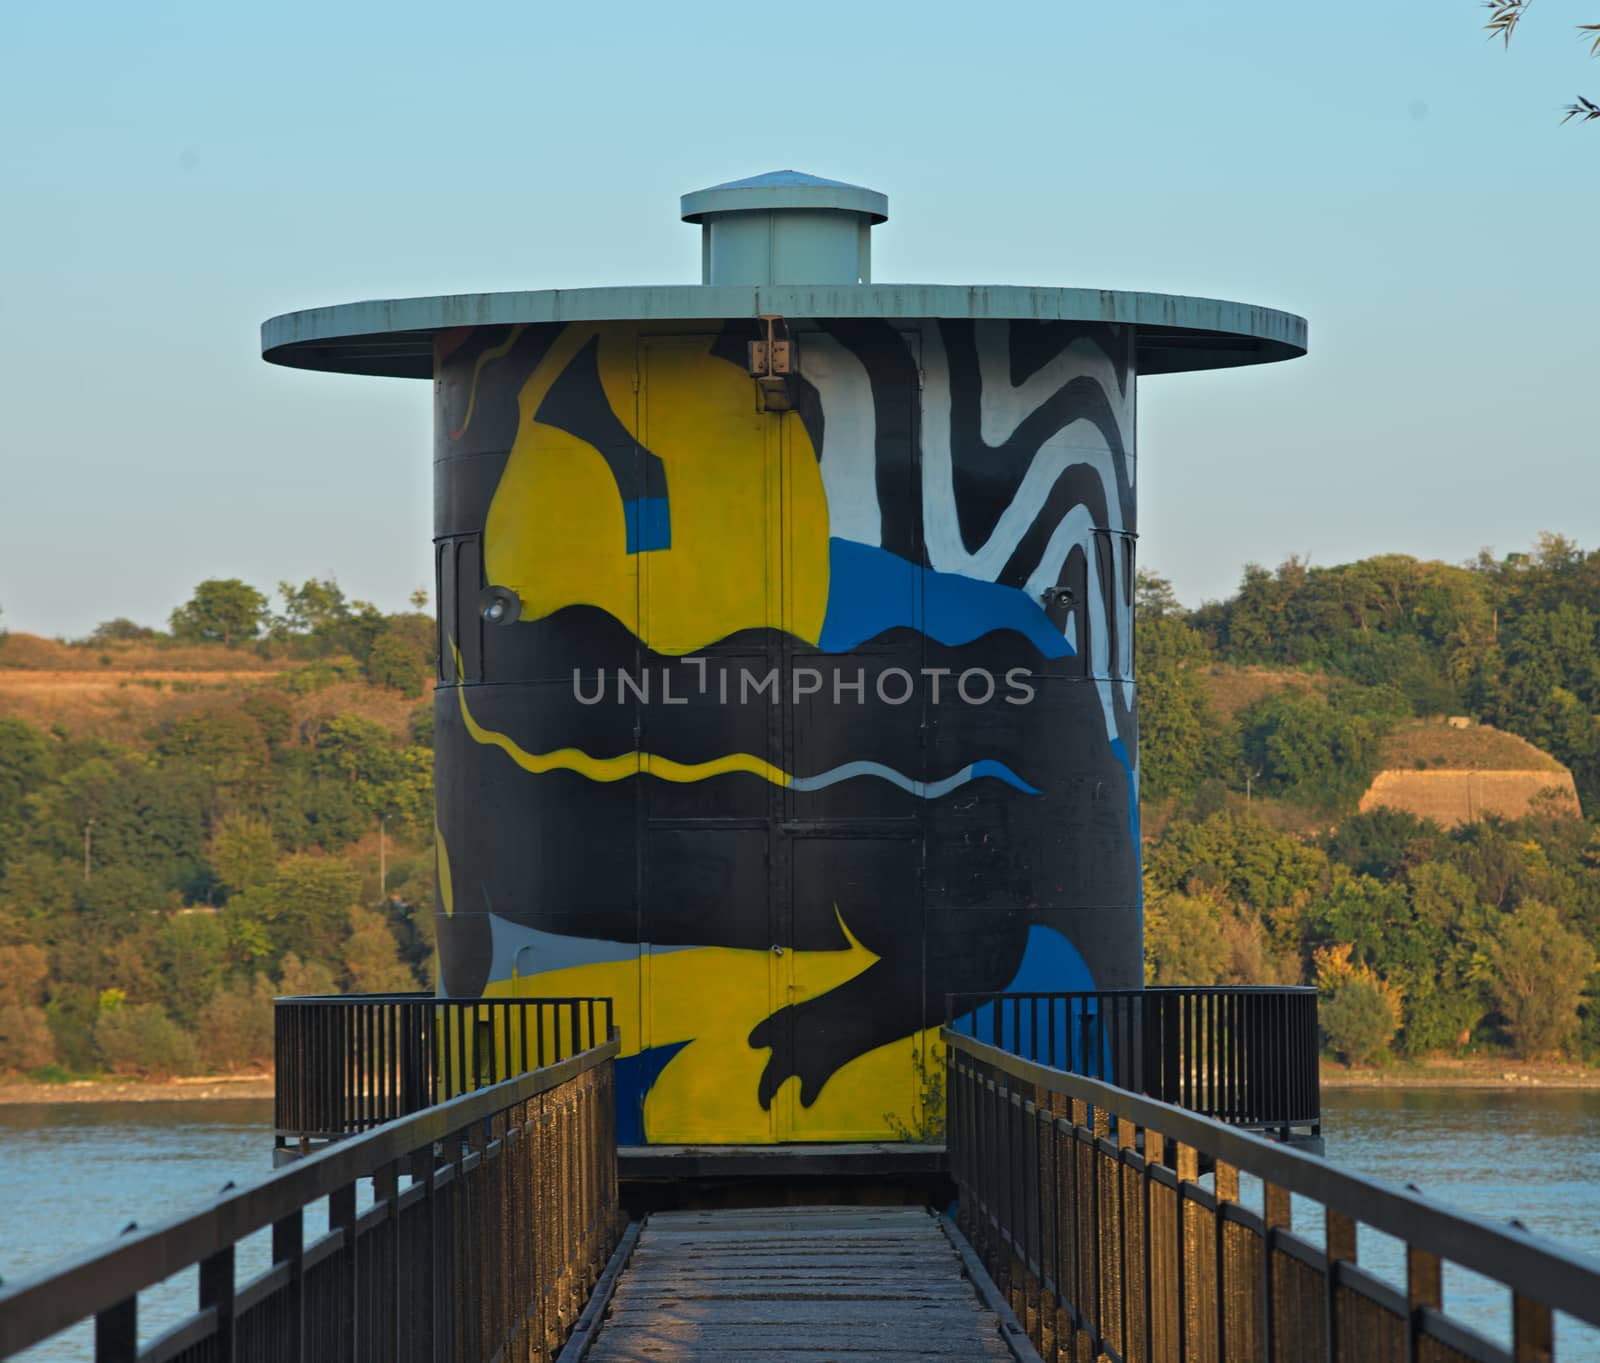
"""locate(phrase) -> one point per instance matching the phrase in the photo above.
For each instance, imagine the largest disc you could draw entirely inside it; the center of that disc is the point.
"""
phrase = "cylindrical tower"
(786, 645)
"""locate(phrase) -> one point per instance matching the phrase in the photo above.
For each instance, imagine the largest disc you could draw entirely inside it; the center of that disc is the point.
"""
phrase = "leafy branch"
(1505, 15)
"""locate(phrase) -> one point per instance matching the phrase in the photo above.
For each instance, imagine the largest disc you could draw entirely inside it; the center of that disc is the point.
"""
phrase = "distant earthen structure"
(1455, 773)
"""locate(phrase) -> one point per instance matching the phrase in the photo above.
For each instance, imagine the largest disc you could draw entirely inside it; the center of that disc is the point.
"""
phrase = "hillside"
(188, 828)
(1232, 690)
(1437, 743)
(1311, 815)
(1456, 772)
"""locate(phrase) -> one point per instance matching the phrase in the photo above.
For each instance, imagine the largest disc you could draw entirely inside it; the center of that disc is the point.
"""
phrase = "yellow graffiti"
(498, 352)
(712, 998)
(616, 768)
(441, 855)
(740, 486)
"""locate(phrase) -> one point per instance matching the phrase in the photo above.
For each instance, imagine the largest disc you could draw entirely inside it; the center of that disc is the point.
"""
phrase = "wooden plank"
(796, 1285)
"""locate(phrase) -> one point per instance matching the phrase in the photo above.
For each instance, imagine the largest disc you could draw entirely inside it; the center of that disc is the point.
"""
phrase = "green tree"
(298, 978)
(222, 610)
(1444, 1004)
(224, 743)
(403, 654)
(1383, 842)
(1308, 751)
(1357, 1020)
(189, 953)
(148, 816)
(242, 851)
(140, 1039)
(305, 908)
(26, 765)
(372, 956)
(1359, 1012)
(381, 776)
(1540, 972)
(1181, 740)
(25, 1039)
(317, 607)
(273, 716)
(35, 897)
(234, 1030)
(121, 631)
(1245, 861)
(308, 808)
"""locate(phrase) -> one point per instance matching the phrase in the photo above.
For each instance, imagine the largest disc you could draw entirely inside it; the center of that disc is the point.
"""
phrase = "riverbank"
(1476, 1072)
(118, 1090)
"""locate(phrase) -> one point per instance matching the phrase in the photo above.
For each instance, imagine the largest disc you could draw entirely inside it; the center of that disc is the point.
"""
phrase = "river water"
(73, 1175)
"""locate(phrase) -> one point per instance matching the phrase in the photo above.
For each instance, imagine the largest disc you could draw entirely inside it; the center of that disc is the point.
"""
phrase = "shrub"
(402, 655)
(25, 1039)
(297, 977)
(139, 1038)
(1359, 1012)
(235, 1028)
(1310, 752)
(1183, 940)
(372, 957)
(1357, 1020)
(1540, 970)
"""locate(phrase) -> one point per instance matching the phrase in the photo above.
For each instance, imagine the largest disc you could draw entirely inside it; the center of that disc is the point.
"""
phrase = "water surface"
(73, 1175)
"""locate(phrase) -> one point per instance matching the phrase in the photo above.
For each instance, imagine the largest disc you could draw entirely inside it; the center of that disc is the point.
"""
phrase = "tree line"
(1258, 867)
(156, 894)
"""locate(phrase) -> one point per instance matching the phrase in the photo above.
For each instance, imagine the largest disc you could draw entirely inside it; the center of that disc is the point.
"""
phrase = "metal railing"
(1246, 1056)
(489, 1250)
(1085, 1203)
(348, 1062)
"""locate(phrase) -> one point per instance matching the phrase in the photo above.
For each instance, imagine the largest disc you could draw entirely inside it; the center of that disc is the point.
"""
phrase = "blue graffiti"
(874, 590)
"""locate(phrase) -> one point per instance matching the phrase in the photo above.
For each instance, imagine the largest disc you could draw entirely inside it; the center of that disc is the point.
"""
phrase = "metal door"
(709, 584)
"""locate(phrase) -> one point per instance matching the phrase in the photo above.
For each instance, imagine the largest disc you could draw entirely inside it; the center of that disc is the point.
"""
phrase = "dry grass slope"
(1233, 689)
(1431, 744)
(1457, 775)
(141, 686)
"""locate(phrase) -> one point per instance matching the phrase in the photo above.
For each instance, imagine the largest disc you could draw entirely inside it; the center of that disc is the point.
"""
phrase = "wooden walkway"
(796, 1285)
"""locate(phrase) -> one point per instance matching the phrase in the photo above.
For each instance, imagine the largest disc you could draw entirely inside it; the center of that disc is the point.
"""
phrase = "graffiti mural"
(791, 723)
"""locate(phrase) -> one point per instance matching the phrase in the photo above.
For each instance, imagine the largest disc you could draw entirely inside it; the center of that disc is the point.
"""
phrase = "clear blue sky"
(173, 173)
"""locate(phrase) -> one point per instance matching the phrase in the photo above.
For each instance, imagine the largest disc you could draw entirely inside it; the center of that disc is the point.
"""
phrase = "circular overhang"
(394, 337)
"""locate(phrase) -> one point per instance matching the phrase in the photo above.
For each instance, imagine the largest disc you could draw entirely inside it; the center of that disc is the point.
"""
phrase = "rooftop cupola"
(785, 227)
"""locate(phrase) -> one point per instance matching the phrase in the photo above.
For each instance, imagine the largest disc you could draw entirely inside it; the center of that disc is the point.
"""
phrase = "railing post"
(386, 1190)
(1227, 1186)
(1339, 1236)
(1532, 1332)
(1130, 1283)
(1424, 1288)
(1191, 1295)
(342, 1217)
(116, 1333)
(1163, 1304)
(288, 1247)
(216, 1292)
(1276, 1214)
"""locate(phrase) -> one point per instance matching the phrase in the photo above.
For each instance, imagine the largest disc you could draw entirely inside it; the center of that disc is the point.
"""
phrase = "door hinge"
(774, 361)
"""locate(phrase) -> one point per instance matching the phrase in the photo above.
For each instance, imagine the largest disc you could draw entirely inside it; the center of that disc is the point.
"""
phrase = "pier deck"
(796, 1285)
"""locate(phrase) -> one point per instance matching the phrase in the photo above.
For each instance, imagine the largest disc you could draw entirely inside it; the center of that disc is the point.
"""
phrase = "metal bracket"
(773, 361)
